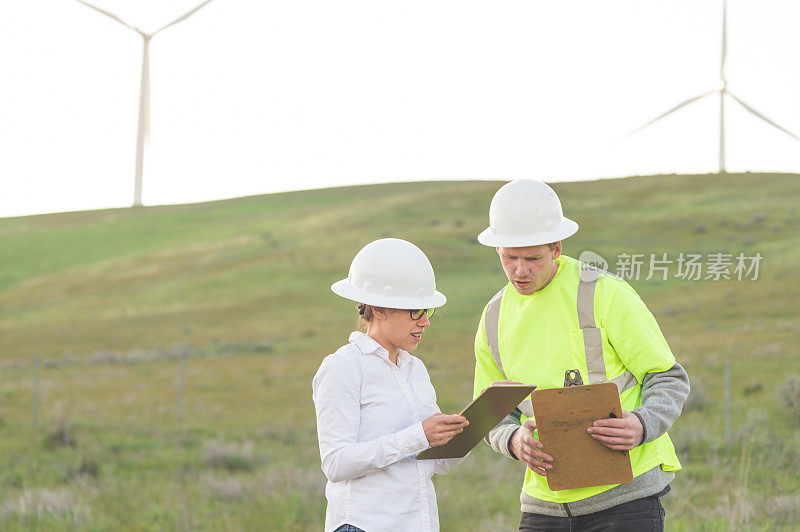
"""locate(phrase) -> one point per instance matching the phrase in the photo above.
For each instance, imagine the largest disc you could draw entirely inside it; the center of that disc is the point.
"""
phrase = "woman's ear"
(380, 313)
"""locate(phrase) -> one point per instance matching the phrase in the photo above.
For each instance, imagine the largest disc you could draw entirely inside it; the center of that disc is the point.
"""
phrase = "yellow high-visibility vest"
(597, 324)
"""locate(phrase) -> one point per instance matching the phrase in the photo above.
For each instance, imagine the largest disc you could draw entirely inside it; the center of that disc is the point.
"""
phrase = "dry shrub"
(229, 489)
(784, 509)
(59, 433)
(230, 456)
(753, 389)
(38, 505)
(89, 467)
(288, 478)
(789, 396)
(697, 401)
(692, 441)
(738, 506)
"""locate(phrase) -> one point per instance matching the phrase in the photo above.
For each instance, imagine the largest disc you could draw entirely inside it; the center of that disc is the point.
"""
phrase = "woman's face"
(400, 331)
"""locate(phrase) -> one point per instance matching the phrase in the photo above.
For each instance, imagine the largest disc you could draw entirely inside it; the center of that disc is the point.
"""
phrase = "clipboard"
(483, 414)
(562, 417)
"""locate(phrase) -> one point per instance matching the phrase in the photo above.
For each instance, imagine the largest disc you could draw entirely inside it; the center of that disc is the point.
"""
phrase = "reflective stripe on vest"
(491, 324)
(592, 340)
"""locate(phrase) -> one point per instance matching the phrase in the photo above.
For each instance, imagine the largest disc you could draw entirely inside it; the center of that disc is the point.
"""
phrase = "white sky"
(253, 97)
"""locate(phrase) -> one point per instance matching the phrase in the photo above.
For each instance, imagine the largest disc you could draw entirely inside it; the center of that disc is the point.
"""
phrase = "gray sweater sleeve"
(663, 395)
(499, 437)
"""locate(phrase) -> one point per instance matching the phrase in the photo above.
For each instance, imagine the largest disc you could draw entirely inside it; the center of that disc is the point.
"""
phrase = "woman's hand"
(440, 428)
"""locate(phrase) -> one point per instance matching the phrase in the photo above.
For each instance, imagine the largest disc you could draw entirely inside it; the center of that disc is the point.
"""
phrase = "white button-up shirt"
(369, 423)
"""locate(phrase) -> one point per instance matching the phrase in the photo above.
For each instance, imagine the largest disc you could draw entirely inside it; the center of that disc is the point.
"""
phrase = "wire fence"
(136, 387)
(164, 388)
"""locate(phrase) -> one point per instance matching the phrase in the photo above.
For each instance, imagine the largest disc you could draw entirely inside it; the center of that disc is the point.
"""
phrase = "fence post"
(727, 403)
(36, 365)
(181, 378)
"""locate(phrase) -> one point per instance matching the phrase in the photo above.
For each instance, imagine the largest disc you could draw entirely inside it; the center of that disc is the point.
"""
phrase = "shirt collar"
(367, 345)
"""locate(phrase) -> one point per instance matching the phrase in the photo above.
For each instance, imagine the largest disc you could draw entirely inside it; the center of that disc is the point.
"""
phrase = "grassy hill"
(111, 300)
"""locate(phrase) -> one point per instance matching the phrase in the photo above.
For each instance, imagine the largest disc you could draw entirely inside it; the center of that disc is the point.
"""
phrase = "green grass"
(110, 299)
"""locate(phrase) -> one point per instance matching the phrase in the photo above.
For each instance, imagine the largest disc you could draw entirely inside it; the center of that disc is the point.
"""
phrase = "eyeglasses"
(417, 313)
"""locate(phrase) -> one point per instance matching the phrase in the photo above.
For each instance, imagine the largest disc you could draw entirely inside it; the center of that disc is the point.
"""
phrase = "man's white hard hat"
(391, 273)
(524, 213)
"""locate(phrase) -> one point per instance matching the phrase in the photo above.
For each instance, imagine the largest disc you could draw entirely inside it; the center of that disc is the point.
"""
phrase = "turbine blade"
(724, 39)
(762, 117)
(110, 15)
(662, 115)
(182, 17)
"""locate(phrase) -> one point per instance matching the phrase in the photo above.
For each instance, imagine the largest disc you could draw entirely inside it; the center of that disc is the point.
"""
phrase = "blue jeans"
(348, 528)
(641, 515)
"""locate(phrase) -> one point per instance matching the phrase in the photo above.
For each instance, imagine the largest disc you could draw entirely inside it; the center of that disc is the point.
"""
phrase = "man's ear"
(557, 250)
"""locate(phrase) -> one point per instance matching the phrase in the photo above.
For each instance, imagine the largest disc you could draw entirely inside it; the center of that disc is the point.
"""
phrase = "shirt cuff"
(504, 434)
(508, 448)
(644, 427)
(412, 440)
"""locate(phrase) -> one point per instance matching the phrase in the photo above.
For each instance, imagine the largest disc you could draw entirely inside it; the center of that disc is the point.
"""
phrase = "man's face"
(530, 268)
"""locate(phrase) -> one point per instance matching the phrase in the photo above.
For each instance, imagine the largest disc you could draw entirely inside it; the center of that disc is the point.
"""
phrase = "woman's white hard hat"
(391, 273)
(524, 213)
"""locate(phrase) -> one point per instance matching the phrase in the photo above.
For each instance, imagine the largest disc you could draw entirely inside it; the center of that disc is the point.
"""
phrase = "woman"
(376, 407)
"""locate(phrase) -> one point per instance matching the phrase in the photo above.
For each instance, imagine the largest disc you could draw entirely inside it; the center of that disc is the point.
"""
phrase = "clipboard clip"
(572, 377)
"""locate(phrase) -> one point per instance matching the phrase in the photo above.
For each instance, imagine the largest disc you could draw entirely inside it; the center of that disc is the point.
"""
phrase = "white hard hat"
(391, 273)
(524, 213)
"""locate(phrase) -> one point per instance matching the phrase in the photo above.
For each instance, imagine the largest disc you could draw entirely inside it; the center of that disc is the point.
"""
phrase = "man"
(557, 315)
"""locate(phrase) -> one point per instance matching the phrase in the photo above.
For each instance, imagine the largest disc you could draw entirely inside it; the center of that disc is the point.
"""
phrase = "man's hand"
(441, 428)
(528, 449)
(620, 434)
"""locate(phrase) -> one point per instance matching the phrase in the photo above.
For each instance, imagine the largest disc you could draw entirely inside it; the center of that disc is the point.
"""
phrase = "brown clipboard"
(562, 417)
(483, 414)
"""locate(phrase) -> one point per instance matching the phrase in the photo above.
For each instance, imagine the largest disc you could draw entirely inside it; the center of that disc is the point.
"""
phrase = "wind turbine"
(722, 90)
(144, 94)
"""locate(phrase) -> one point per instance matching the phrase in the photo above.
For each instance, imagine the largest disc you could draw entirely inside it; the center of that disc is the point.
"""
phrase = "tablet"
(483, 414)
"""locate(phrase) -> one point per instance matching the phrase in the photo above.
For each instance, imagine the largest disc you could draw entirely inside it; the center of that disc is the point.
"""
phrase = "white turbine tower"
(722, 89)
(144, 95)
